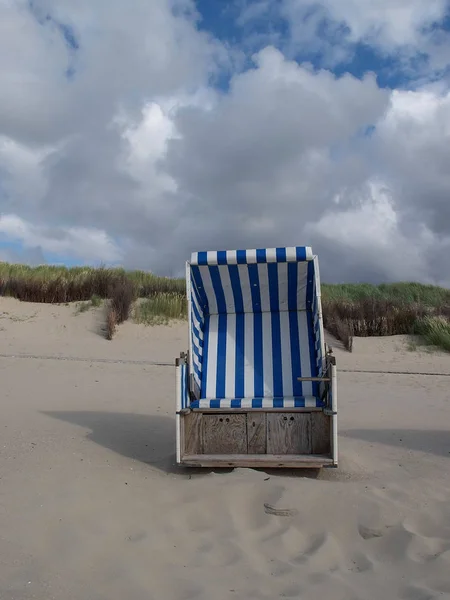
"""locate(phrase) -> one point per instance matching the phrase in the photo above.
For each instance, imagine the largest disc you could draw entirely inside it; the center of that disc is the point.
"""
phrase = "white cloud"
(21, 177)
(80, 243)
(138, 159)
(412, 143)
(387, 23)
(260, 166)
(104, 121)
(366, 240)
(146, 142)
(393, 27)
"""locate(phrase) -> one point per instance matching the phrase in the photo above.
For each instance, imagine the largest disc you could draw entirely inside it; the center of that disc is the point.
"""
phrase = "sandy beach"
(93, 507)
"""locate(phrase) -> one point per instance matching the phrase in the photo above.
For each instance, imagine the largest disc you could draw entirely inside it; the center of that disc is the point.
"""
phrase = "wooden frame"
(264, 437)
(301, 438)
(257, 461)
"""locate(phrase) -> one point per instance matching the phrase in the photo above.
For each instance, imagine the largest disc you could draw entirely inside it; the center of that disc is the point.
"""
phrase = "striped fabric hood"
(255, 324)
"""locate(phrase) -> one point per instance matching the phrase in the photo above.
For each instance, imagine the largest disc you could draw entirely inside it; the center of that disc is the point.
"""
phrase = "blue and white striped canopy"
(248, 257)
(255, 327)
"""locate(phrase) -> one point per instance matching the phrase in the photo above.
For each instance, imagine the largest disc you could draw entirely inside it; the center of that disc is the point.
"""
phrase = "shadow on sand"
(149, 439)
(432, 441)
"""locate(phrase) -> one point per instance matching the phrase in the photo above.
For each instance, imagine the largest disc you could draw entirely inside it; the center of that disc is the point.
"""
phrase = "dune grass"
(161, 309)
(389, 309)
(435, 331)
(56, 284)
(349, 310)
(90, 286)
(404, 292)
(94, 302)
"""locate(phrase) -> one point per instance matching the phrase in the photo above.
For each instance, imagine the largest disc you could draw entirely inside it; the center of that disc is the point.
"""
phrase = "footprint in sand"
(367, 533)
(360, 563)
(280, 512)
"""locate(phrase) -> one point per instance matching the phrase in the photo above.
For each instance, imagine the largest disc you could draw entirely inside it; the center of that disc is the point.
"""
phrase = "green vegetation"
(389, 309)
(406, 293)
(348, 309)
(161, 309)
(94, 302)
(60, 284)
(90, 286)
(435, 331)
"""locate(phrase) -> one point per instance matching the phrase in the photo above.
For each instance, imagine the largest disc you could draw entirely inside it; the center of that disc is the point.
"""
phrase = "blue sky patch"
(250, 25)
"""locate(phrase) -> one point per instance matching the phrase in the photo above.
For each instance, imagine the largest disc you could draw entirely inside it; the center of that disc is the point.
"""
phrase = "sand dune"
(93, 507)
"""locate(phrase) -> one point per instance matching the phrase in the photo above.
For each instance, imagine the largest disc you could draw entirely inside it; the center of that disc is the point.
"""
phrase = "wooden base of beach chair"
(299, 438)
(267, 461)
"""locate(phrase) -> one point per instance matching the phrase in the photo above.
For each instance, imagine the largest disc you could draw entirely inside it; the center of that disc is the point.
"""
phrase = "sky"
(134, 133)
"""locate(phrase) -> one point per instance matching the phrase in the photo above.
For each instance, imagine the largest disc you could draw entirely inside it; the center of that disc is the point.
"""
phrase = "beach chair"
(257, 386)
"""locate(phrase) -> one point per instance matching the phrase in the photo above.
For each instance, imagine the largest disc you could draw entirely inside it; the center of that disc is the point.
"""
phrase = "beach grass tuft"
(94, 302)
(161, 308)
(435, 330)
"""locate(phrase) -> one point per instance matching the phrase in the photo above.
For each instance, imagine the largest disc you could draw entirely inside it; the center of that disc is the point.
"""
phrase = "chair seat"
(283, 402)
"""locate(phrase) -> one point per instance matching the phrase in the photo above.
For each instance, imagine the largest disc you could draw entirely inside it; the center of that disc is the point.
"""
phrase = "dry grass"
(89, 286)
(370, 317)
(365, 310)
(111, 323)
(349, 310)
(122, 293)
(58, 285)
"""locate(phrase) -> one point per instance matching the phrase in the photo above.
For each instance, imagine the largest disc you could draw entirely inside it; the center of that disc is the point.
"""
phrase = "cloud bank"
(135, 136)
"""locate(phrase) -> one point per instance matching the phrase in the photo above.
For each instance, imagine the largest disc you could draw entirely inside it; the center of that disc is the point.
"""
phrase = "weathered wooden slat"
(289, 433)
(257, 461)
(224, 433)
(320, 433)
(256, 433)
(192, 429)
